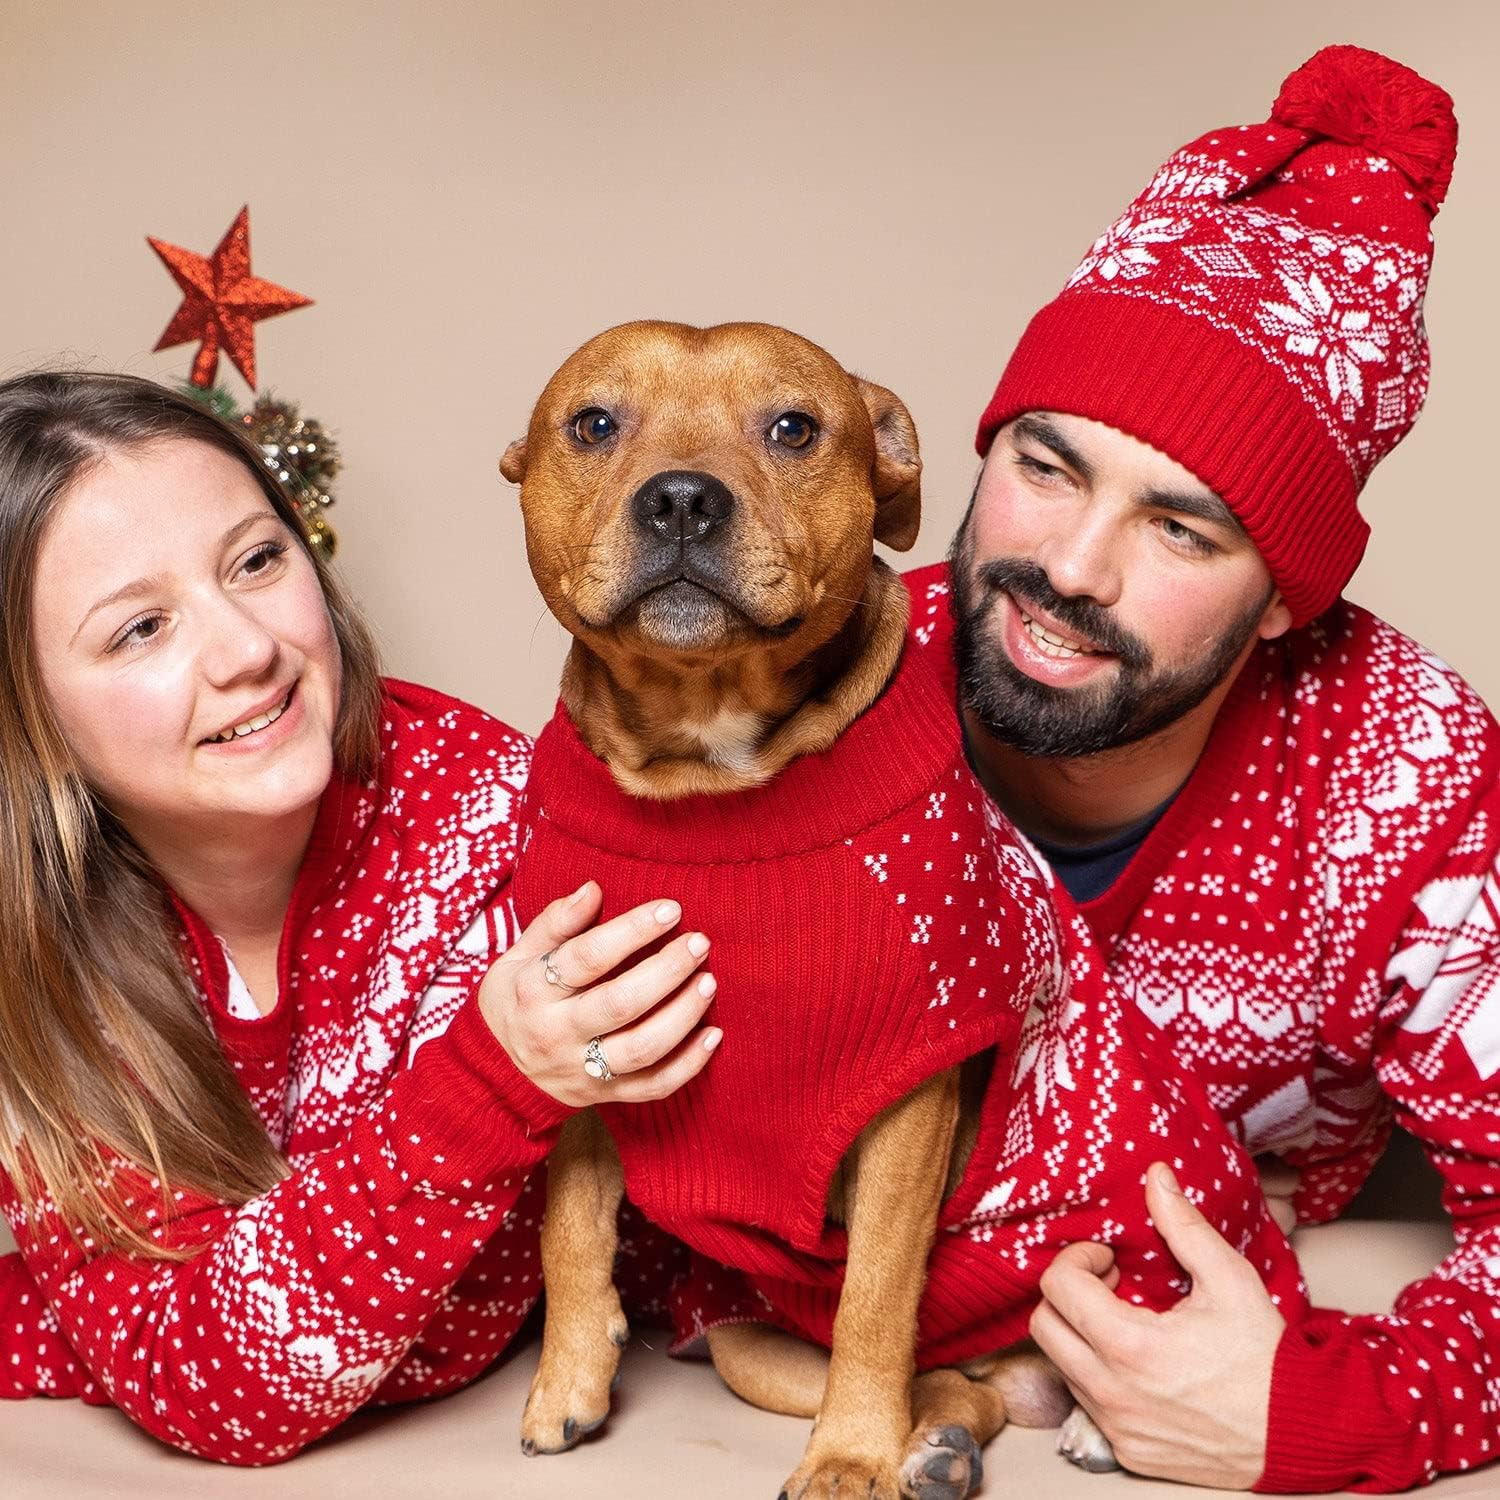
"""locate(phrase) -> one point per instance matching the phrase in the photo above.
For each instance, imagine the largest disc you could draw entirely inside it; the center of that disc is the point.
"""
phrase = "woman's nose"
(236, 644)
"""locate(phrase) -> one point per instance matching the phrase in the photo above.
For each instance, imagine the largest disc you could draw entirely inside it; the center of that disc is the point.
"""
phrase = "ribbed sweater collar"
(889, 756)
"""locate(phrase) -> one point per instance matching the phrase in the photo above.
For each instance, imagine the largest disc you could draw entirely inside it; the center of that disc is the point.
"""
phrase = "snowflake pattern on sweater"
(1311, 928)
(400, 1254)
(1084, 1118)
(875, 922)
(1329, 305)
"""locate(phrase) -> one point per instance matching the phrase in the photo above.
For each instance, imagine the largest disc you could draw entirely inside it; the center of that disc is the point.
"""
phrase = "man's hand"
(1182, 1394)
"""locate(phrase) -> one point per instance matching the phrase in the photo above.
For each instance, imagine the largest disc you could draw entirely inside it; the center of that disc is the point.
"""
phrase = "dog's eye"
(593, 426)
(793, 429)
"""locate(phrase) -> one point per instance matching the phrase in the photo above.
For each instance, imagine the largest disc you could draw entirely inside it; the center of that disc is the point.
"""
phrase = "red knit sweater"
(400, 1255)
(873, 925)
(1313, 926)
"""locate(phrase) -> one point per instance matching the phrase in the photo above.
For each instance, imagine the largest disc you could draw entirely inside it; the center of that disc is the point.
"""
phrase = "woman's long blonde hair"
(105, 1051)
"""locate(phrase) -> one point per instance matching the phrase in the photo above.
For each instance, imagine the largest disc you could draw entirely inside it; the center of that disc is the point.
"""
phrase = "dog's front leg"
(895, 1175)
(585, 1327)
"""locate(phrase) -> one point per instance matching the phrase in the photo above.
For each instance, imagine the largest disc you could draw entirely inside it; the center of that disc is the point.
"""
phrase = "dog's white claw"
(1081, 1443)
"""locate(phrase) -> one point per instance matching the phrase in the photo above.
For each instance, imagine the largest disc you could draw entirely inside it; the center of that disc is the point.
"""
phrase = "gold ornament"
(303, 456)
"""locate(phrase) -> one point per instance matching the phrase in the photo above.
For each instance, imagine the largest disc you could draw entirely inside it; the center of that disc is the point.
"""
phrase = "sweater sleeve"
(1382, 1403)
(35, 1359)
(299, 1304)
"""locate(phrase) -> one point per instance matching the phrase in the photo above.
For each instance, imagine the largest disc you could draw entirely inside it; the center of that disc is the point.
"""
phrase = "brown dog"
(700, 507)
(762, 651)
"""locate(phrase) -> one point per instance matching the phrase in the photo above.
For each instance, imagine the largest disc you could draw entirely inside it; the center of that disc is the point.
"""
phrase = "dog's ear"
(897, 479)
(513, 461)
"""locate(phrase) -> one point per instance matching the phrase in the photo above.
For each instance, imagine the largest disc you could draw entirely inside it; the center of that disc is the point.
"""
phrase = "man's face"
(1100, 590)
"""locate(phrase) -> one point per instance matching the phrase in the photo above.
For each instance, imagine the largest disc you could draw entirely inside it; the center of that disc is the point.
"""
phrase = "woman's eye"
(137, 633)
(593, 426)
(793, 429)
(261, 559)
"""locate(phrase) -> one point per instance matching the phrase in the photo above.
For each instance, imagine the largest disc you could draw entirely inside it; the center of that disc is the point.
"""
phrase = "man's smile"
(1041, 649)
(1050, 637)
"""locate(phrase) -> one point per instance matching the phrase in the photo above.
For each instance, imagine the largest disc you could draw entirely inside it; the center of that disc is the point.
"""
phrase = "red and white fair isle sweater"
(875, 922)
(400, 1256)
(1312, 926)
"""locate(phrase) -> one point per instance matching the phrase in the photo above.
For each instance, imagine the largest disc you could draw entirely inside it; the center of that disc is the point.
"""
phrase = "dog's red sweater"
(875, 922)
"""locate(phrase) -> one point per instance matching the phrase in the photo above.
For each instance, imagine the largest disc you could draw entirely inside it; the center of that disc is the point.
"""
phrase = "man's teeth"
(239, 731)
(1051, 644)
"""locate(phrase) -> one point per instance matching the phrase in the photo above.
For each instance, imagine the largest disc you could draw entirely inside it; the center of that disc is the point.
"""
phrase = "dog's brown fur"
(712, 689)
(664, 720)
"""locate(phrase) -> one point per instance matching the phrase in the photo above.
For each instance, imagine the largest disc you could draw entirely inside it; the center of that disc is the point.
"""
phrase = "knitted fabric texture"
(874, 923)
(1313, 929)
(400, 1255)
(1256, 313)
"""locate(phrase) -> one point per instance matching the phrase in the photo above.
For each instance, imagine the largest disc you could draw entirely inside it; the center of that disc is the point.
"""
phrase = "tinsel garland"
(298, 450)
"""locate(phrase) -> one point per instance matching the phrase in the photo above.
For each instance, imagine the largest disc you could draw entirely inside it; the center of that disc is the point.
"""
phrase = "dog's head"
(701, 492)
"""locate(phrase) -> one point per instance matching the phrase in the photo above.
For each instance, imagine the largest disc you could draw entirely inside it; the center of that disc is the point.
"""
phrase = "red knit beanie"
(1256, 313)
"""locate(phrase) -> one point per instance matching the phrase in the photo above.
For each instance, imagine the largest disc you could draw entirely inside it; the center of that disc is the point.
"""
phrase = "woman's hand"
(1182, 1394)
(645, 1017)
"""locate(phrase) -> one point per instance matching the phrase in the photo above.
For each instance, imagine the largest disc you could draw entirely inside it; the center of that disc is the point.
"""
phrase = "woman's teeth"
(1050, 644)
(260, 721)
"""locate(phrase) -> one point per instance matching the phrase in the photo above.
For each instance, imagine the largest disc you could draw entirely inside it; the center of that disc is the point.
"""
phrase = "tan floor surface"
(676, 1432)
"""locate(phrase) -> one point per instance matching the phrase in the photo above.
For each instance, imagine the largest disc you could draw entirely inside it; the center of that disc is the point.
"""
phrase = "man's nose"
(1082, 560)
(681, 505)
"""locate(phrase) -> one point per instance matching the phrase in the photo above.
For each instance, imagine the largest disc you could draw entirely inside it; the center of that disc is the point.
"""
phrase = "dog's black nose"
(682, 505)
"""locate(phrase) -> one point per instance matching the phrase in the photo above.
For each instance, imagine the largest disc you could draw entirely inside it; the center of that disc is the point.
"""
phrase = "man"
(1278, 816)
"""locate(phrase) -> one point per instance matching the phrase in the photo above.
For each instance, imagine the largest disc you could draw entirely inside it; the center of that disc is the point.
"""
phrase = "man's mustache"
(1028, 583)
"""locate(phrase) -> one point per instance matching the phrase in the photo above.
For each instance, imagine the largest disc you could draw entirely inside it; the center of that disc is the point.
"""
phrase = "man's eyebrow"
(139, 586)
(1201, 505)
(1040, 430)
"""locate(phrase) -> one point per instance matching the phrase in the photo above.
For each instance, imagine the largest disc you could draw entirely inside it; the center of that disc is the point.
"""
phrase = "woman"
(268, 1102)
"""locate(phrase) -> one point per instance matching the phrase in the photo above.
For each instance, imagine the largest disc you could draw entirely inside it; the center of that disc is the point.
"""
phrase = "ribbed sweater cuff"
(468, 1114)
(1329, 1427)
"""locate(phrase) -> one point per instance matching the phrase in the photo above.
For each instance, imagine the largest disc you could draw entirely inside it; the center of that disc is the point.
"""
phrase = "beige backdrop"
(470, 190)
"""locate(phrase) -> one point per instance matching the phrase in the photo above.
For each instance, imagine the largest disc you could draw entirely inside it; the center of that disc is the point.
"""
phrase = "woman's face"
(184, 643)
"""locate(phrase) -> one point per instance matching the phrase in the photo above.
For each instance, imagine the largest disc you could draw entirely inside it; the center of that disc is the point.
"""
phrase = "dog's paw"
(559, 1414)
(943, 1463)
(1081, 1443)
(570, 1391)
(545, 1436)
(838, 1477)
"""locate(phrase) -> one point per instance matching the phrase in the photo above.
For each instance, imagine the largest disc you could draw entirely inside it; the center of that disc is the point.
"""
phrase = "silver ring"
(550, 970)
(595, 1063)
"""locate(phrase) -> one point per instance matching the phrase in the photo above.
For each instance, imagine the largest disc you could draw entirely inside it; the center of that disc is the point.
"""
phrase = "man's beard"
(1052, 722)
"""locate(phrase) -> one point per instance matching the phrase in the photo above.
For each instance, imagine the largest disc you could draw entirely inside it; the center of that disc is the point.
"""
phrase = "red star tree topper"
(221, 302)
